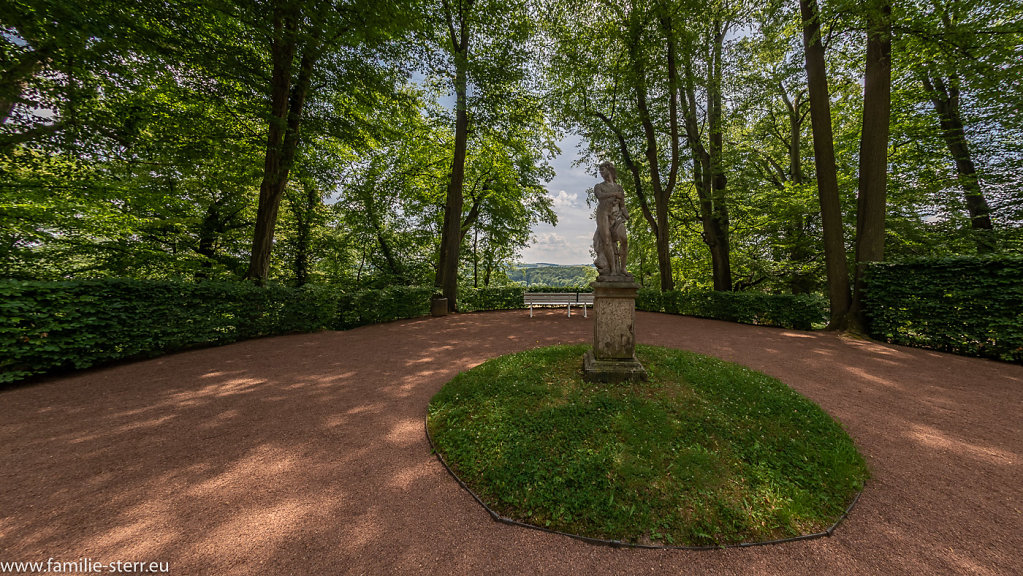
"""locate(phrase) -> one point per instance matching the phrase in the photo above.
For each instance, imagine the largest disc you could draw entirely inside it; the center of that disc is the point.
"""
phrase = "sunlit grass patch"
(704, 453)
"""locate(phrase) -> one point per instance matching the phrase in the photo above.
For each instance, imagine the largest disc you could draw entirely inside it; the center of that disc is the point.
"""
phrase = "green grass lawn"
(705, 453)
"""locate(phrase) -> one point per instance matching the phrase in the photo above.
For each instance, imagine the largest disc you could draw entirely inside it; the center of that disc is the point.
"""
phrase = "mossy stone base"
(612, 371)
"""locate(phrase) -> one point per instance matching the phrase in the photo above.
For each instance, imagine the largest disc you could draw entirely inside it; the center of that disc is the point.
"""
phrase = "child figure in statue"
(609, 241)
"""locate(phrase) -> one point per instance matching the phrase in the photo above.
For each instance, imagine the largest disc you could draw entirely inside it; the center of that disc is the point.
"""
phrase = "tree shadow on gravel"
(307, 454)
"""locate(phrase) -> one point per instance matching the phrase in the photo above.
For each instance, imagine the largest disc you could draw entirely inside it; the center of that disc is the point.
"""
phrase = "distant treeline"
(551, 275)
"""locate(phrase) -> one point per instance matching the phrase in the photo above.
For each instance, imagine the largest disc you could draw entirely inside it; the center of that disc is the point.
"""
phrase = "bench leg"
(584, 311)
(569, 310)
(530, 310)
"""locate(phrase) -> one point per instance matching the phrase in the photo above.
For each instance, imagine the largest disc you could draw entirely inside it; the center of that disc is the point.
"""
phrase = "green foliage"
(559, 288)
(705, 453)
(552, 275)
(384, 305)
(649, 300)
(496, 298)
(965, 305)
(799, 311)
(48, 326)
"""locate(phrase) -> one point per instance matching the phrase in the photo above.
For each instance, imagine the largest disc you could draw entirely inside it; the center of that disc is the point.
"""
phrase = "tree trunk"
(661, 192)
(209, 231)
(303, 232)
(797, 223)
(945, 97)
(287, 103)
(488, 267)
(451, 235)
(721, 250)
(708, 173)
(827, 173)
(394, 267)
(870, 206)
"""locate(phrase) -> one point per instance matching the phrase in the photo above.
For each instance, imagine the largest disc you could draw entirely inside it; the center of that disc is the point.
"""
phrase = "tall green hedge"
(50, 326)
(801, 312)
(46, 326)
(965, 305)
(490, 298)
(384, 305)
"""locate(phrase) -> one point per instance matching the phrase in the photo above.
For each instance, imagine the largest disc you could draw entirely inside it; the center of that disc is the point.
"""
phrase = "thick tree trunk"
(870, 213)
(827, 173)
(451, 237)
(945, 97)
(451, 234)
(287, 103)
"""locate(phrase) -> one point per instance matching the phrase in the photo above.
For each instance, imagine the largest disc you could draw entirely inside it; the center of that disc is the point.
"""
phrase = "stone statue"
(613, 357)
(609, 241)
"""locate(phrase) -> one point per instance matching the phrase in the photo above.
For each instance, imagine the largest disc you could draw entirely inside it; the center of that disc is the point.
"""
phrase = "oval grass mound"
(706, 453)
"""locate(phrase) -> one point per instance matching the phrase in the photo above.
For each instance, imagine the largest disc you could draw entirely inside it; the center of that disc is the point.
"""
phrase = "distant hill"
(544, 274)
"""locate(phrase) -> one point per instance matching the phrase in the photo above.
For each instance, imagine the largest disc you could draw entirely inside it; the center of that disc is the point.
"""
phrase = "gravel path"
(307, 454)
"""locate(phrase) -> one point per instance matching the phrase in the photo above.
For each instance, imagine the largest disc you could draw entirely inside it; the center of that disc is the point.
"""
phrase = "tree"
(152, 158)
(644, 110)
(708, 170)
(827, 176)
(481, 48)
(507, 198)
(961, 60)
(774, 206)
(871, 201)
(305, 36)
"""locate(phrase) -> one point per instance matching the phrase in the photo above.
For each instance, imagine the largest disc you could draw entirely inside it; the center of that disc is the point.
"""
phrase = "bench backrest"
(558, 297)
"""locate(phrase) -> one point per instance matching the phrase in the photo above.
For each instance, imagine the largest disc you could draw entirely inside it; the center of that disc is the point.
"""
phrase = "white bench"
(569, 299)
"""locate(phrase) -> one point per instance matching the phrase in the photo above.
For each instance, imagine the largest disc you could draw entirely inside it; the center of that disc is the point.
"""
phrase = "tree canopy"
(773, 146)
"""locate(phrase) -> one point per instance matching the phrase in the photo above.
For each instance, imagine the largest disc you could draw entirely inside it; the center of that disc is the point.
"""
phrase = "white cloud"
(564, 200)
(569, 242)
(557, 248)
(550, 240)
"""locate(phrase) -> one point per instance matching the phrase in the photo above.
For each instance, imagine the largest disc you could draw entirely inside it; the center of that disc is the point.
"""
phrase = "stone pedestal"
(613, 357)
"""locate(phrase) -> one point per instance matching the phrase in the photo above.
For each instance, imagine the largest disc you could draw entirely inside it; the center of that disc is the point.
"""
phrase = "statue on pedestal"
(613, 357)
(610, 242)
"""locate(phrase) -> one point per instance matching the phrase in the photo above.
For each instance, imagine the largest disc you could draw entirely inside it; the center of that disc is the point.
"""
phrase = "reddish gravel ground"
(307, 454)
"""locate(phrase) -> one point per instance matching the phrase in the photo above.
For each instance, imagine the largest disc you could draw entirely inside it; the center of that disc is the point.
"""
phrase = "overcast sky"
(569, 242)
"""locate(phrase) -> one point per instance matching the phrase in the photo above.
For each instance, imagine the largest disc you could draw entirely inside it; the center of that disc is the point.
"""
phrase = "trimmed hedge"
(561, 289)
(800, 312)
(964, 305)
(490, 298)
(384, 305)
(51, 326)
(970, 306)
(47, 326)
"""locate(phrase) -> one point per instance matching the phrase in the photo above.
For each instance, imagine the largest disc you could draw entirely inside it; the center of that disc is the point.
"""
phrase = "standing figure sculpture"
(609, 241)
(613, 357)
